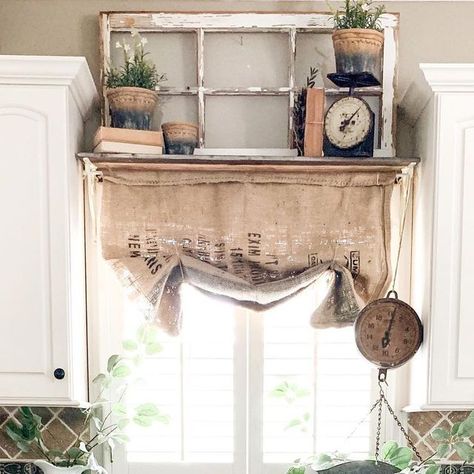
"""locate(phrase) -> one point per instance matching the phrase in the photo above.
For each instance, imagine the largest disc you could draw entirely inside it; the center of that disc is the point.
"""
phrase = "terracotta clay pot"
(180, 138)
(358, 50)
(132, 107)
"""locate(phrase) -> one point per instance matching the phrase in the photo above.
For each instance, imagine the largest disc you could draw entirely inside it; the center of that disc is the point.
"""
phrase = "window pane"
(246, 60)
(173, 53)
(314, 50)
(307, 377)
(175, 108)
(247, 122)
(191, 380)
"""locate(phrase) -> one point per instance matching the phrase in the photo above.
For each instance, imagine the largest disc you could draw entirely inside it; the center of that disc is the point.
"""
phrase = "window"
(236, 75)
(249, 392)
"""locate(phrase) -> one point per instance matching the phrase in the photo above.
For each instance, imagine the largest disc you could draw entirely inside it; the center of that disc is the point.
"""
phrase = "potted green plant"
(131, 88)
(358, 38)
(109, 414)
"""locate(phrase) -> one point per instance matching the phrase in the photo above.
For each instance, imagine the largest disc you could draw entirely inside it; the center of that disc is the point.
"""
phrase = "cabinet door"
(452, 318)
(34, 242)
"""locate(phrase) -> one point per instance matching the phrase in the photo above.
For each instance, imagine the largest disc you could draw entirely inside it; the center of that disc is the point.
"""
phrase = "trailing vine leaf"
(440, 434)
(130, 345)
(464, 450)
(443, 450)
(466, 427)
(153, 348)
(112, 362)
(121, 371)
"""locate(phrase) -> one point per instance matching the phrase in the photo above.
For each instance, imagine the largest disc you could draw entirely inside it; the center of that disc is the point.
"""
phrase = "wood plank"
(244, 163)
(230, 20)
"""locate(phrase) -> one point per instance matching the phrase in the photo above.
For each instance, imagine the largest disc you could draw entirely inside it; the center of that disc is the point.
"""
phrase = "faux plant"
(299, 110)
(358, 14)
(137, 69)
(456, 440)
(109, 414)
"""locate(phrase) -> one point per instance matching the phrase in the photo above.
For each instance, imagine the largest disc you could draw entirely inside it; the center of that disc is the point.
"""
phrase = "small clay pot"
(132, 107)
(180, 138)
(358, 50)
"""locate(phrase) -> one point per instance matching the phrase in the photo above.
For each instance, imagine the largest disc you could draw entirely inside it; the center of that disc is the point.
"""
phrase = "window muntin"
(217, 380)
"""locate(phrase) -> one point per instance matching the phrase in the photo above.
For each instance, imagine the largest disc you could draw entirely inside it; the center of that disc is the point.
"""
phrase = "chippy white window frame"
(291, 23)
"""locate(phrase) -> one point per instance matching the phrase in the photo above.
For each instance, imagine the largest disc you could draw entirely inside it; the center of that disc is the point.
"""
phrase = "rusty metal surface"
(361, 467)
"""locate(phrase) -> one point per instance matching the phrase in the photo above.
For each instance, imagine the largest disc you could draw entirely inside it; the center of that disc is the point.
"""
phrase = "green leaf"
(23, 446)
(123, 423)
(112, 362)
(147, 409)
(130, 345)
(402, 457)
(296, 470)
(443, 450)
(121, 371)
(293, 423)
(165, 419)
(464, 450)
(388, 449)
(440, 434)
(144, 421)
(147, 333)
(153, 348)
(99, 378)
(433, 470)
(119, 409)
(75, 452)
(455, 428)
(302, 392)
(466, 428)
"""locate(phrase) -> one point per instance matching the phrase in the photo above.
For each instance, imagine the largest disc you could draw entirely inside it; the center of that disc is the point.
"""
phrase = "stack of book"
(124, 140)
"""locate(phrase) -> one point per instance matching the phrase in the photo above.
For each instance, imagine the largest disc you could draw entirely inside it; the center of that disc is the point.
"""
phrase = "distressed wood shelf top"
(243, 163)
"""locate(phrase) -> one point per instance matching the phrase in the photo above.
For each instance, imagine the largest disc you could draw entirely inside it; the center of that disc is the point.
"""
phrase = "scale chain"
(383, 399)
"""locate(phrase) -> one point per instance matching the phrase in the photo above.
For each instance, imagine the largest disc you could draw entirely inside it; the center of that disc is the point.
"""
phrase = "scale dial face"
(388, 332)
(348, 122)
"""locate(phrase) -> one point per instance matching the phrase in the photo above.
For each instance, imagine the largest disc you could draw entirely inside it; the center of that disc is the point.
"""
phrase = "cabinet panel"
(43, 103)
(443, 377)
(465, 367)
(33, 320)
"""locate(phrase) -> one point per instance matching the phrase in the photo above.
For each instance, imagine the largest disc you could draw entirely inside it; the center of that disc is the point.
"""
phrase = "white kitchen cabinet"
(43, 104)
(443, 256)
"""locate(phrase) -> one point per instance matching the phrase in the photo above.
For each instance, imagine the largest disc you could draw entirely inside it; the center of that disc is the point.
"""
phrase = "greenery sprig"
(137, 70)
(109, 414)
(358, 14)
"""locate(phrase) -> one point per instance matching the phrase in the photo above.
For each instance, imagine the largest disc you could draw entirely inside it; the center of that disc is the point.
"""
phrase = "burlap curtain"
(255, 237)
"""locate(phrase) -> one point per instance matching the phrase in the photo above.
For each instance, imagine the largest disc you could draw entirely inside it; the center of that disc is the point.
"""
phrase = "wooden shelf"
(243, 163)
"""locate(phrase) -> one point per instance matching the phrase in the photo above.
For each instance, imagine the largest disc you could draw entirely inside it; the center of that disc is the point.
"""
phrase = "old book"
(125, 135)
(313, 134)
(107, 146)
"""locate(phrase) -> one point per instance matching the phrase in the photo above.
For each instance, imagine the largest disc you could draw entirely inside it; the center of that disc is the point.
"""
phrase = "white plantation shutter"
(217, 383)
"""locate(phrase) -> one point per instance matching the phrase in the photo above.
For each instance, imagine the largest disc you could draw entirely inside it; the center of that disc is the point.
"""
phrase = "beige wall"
(430, 31)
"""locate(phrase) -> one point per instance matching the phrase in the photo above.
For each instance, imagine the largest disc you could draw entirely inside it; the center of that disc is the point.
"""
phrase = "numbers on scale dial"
(388, 333)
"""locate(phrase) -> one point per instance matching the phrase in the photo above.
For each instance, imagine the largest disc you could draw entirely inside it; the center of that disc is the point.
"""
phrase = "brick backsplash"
(62, 426)
(421, 424)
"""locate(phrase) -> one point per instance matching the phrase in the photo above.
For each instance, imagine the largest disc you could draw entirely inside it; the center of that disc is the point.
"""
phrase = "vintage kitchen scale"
(349, 122)
(388, 333)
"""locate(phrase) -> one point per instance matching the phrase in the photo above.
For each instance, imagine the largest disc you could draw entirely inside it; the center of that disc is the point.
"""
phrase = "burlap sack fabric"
(255, 237)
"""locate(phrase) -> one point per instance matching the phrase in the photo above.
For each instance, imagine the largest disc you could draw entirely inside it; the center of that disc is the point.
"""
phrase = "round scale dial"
(388, 332)
(348, 122)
